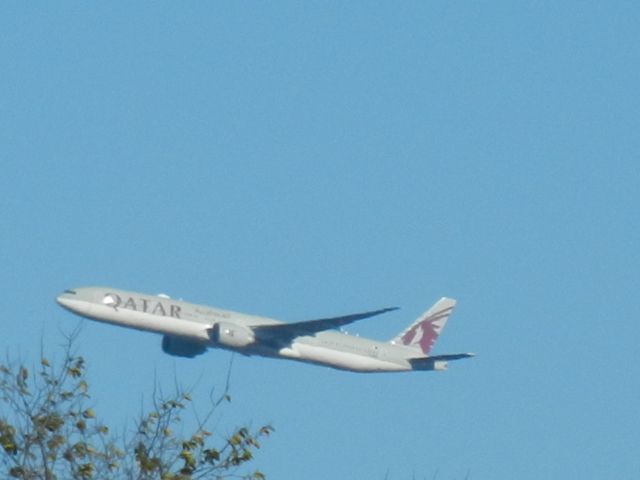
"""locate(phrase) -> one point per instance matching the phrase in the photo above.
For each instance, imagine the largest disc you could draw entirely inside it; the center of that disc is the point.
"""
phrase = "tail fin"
(423, 333)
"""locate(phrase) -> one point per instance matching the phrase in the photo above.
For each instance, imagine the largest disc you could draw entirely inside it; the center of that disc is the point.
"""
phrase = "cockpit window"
(72, 292)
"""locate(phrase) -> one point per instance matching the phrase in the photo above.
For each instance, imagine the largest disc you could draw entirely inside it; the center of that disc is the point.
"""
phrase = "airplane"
(189, 330)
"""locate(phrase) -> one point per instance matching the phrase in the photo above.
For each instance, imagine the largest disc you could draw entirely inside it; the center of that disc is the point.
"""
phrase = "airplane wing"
(286, 332)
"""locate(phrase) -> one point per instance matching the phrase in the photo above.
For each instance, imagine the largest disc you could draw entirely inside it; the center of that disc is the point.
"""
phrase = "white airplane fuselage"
(189, 329)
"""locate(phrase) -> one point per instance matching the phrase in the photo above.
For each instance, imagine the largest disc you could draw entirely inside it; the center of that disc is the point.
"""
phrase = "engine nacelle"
(179, 347)
(232, 335)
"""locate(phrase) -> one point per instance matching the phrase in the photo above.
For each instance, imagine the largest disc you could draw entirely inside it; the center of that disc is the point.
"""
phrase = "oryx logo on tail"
(423, 333)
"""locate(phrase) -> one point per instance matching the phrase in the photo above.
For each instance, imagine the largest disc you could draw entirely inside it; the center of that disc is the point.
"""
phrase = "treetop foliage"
(49, 431)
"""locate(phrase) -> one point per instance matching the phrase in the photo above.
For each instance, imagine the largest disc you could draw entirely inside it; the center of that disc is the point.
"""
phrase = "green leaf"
(86, 470)
(81, 425)
(266, 430)
(211, 455)
(17, 472)
(55, 442)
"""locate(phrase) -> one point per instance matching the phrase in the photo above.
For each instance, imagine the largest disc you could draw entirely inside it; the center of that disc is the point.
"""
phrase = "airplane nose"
(64, 301)
(70, 300)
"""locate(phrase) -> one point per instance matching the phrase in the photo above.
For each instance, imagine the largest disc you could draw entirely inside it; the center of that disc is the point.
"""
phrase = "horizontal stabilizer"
(454, 356)
(437, 362)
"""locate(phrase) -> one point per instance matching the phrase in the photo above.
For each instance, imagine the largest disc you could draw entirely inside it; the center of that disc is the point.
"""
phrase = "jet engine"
(179, 347)
(231, 335)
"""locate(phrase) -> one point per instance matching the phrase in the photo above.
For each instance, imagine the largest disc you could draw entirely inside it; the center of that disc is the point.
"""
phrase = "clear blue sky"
(300, 160)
